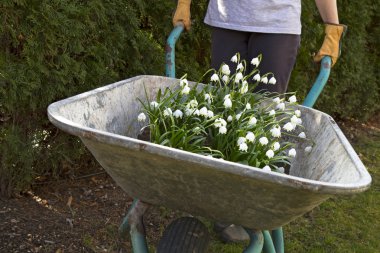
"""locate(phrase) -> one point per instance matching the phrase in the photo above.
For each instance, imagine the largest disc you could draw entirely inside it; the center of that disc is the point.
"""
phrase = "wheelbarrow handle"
(310, 99)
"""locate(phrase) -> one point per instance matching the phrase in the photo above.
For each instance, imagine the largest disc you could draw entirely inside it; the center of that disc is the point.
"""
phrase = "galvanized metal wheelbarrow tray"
(105, 120)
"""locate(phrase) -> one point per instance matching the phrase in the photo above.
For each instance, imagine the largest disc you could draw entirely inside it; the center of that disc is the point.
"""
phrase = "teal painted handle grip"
(170, 50)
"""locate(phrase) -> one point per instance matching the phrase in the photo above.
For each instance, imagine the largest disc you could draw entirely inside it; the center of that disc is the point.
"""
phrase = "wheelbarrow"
(262, 202)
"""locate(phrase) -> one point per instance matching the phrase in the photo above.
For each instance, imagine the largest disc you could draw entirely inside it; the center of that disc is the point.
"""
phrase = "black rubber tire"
(184, 235)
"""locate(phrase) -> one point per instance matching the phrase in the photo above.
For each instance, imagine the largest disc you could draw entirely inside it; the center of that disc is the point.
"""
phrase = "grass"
(342, 224)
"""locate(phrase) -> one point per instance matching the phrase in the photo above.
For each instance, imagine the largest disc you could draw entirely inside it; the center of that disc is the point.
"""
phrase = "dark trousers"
(279, 53)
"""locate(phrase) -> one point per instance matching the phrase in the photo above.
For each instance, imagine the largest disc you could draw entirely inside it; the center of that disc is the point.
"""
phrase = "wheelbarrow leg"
(133, 222)
(268, 243)
(278, 240)
(256, 242)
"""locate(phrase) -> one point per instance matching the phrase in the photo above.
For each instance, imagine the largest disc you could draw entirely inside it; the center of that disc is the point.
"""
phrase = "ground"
(83, 214)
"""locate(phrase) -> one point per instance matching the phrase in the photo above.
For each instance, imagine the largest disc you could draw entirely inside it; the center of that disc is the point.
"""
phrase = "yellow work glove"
(182, 14)
(331, 46)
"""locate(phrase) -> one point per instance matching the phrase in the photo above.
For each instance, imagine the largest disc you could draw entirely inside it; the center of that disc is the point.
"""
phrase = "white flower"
(281, 106)
(238, 77)
(276, 146)
(210, 114)
(208, 98)
(227, 103)
(214, 77)
(266, 168)
(272, 80)
(244, 88)
(229, 118)
(269, 153)
(226, 69)
(185, 90)
(308, 149)
(263, 141)
(288, 127)
(183, 82)
(141, 117)
(292, 152)
(225, 79)
(271, 112)
(255, 61)
(222, 130)
(250, 137)
(297, 113)
(178, 114)
(302, 135)
(252, 121)
(276, 132)
(189, 111)
(238, 116)
(248, 106)
(228, 96)
(243, 147)
(234, 58)
(192, 104)
(295, 120)
(168, 112)
(241, 140)
(154, 104)
(197, 130)
(239, 67)
(281, 169)
(220, 122)
(264, 80)
(196, 112)
(277, 100)
(257, 78)
(293, 99)
(203, 111)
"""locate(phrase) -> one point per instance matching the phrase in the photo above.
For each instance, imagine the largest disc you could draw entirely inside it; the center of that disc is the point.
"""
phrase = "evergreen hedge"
(52, 49)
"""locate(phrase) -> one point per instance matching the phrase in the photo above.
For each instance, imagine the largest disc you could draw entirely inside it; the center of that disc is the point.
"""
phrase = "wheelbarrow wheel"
(184, 235)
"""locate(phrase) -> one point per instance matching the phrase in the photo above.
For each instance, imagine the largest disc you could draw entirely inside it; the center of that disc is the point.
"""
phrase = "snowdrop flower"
(197, 130)
(263, 141)
(238, 116)
(227, 103)
(250, 137)
(292, 152)
(234, 58)
(192, 104)
(293, 99)
(241, 140)
(277, 100)
(226, 69)
(208, 98)
(302, 135)
(281, 106)
(255, 61)
(257, 78)
(203, 111)
(210, 114)
(297, 113)
(189, 111)
(214, 77)
(281, 169)
(288, 127)
(308, 149)
(225, 79)
(269, 153)
(183, 82)
(141, 117)
(229, 118)
(276, 146)
(178, 114)
(168, 112)
(222, 130)
(264, 80)
(196, 112)
(266, 168)
(276, 132)
(252, 121)
(248, 106)
(272, 80)
(238, 77)
(185, 90)
(154, 104)
(243, 147)
(243, 89)
(295, 120)
(271, 112)
(240, 67)
(220, 122)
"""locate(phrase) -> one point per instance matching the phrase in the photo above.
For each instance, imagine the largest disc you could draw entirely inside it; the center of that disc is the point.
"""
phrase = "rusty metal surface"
(105, 120)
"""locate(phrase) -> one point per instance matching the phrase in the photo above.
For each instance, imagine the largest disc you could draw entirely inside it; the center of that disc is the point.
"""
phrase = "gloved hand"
(331, 46)
(182, 14)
